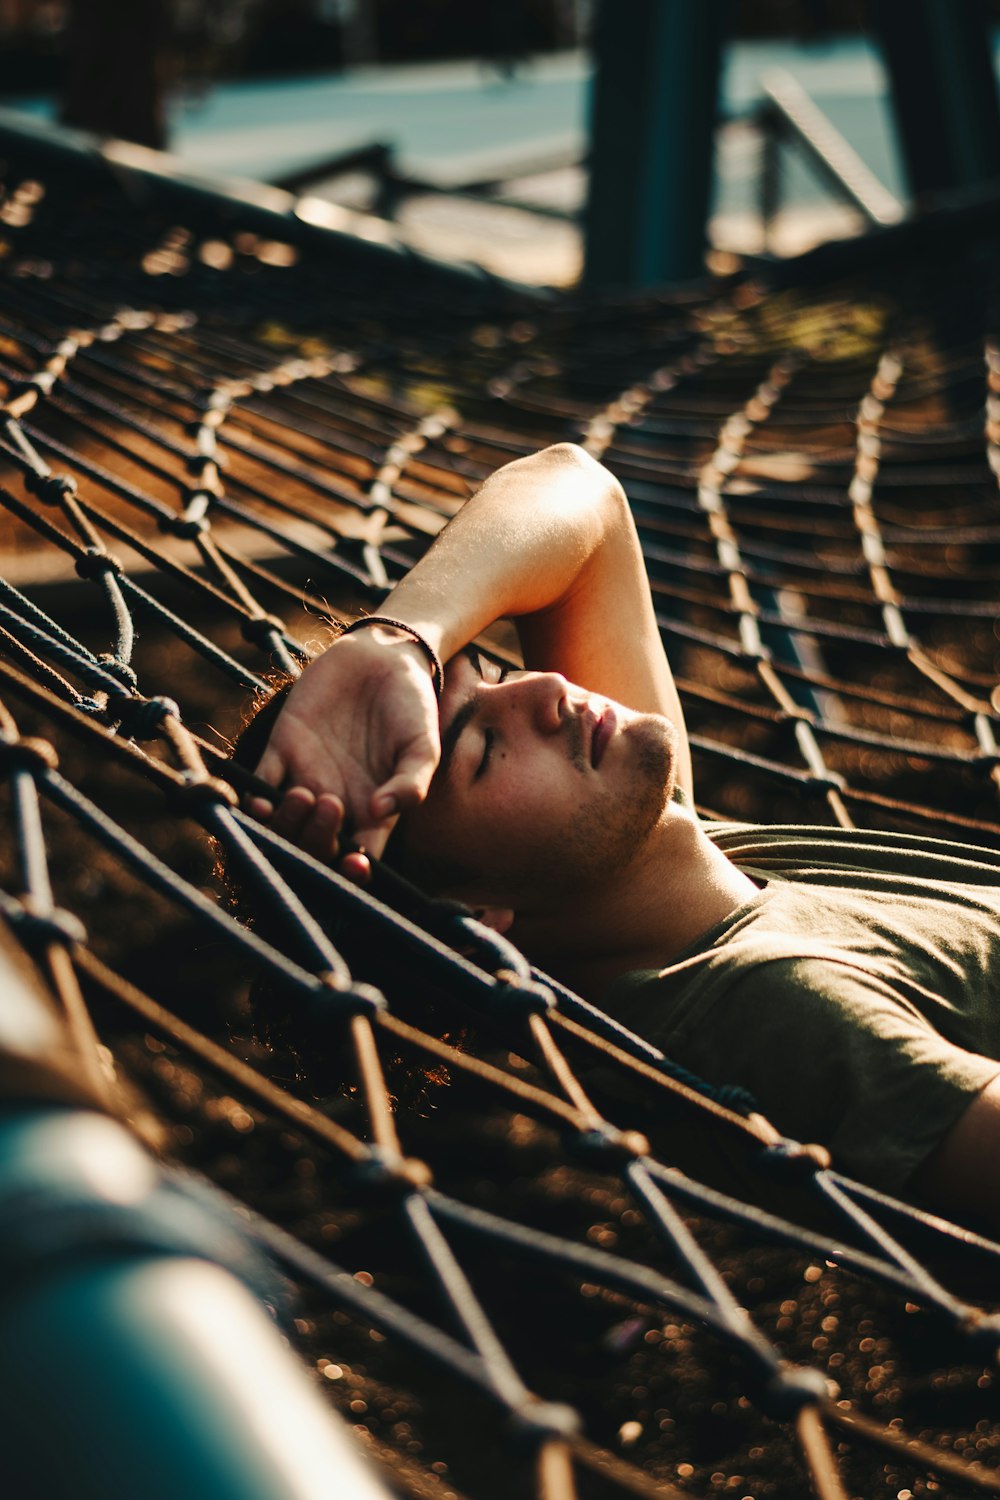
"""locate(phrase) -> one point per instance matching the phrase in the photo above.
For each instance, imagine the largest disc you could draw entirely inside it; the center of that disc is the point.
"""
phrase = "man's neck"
(676, 888)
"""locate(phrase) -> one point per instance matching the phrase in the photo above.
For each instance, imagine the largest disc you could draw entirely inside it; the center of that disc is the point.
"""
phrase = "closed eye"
(493, 674)
(488, 742)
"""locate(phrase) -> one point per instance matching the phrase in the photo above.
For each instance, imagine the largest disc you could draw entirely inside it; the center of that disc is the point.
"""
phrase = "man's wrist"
(389, 629)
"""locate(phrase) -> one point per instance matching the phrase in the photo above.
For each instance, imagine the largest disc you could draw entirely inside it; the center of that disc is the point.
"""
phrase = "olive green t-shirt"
(856, 995)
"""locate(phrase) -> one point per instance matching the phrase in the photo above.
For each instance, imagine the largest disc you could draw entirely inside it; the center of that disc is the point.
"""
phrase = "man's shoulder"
(845, 856)
(783, 962)
(741, 980)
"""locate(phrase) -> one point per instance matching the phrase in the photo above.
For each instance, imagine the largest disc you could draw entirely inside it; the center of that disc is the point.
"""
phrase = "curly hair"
(317, 1055)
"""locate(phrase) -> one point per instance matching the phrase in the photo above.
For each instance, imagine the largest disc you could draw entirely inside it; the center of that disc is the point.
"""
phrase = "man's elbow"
(570, 456)
(574, 460)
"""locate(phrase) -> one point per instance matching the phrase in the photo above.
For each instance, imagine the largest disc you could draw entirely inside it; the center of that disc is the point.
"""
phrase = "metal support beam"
(789, 114)
(653, 116)
(939, 57)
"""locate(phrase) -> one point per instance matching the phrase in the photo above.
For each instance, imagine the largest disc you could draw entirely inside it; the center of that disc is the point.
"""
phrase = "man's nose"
(543, 700)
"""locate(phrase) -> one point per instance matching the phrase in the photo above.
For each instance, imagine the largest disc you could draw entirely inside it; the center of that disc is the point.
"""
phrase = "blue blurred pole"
(652, 135)
(132, 1365)
(939, 56)
(131, 1373)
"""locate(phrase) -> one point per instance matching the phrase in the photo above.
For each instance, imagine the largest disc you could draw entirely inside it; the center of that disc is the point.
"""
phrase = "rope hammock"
(211, 438)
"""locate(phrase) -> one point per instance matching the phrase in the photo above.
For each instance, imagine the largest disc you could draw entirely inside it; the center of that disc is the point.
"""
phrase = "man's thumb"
(404, 790)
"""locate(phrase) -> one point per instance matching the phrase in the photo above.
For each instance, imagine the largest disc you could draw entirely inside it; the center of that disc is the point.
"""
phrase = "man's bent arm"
(547, 540)
(960, 1175)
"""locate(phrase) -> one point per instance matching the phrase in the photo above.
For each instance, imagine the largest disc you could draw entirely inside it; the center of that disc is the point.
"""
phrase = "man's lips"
(601, 734)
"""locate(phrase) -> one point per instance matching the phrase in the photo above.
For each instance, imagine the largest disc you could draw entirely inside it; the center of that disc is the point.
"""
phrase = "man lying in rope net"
(204, 436)
(846, 978)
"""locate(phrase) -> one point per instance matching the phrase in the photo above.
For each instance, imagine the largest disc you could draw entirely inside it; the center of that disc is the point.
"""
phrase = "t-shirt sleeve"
(836, 1057)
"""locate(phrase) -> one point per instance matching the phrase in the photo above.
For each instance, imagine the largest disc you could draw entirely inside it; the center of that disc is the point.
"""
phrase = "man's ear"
(500, 918)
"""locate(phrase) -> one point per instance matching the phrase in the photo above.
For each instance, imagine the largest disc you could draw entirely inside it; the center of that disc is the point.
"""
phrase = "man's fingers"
(404, 790)
(292, 811)
(411, 779)
(328, 813)
(272, 766)
(319, 835)
(357, 867)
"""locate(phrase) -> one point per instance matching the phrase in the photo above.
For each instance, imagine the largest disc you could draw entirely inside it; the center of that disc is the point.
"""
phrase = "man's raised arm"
(548, 541)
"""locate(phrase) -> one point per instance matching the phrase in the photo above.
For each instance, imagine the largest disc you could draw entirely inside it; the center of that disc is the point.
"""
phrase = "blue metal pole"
(128, 1367)
(136, 1355)
(940, 61)
(653, 117)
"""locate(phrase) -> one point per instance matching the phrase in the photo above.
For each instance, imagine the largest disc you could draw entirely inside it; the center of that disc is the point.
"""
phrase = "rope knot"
(38, 929)
(830, 781)
(50, 488)
(188, 528)
(520, 992)
(125, 674)
(260, 630)
(141, 718)
(609, 1142)
(30, 754)
(387, 1172)
(793, 1161)
(787, 1391)
(352, 999)
(16, 388)
(95, 562)
(740, 1100)
(96, 706)
(538, 1421)
(197, 793)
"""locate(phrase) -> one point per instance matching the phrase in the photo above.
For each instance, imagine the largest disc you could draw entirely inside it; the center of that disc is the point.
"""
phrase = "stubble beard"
(598, 843)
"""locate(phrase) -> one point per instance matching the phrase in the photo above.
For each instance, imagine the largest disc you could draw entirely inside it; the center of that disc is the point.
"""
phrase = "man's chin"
(656, 745)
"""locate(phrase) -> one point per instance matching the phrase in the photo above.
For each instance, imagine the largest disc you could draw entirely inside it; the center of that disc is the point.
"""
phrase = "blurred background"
(468, 127)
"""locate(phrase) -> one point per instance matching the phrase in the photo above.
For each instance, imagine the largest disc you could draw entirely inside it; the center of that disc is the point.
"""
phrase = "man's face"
(543, 788)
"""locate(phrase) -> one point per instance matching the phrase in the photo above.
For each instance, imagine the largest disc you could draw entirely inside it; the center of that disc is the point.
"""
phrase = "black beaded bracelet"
(437, 671)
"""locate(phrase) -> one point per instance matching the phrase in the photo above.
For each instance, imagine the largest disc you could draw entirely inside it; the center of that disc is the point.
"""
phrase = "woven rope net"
(210, 441)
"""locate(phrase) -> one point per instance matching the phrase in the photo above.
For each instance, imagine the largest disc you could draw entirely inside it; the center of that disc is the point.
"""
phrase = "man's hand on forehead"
(547, 541)
(356, 743)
